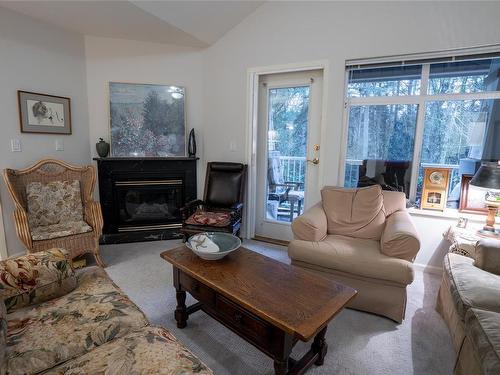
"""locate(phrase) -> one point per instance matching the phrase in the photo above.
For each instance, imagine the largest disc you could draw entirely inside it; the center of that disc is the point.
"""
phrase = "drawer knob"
(238, 317)
(196, 287)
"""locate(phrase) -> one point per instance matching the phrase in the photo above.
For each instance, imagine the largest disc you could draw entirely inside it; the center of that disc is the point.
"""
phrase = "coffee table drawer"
(243, 321)
(199, 291)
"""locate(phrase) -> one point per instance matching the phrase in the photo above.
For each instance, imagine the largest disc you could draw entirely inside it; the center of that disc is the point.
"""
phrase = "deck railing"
(293, 168)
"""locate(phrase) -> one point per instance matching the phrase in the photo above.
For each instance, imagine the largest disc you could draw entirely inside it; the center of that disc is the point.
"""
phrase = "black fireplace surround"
(141, 198)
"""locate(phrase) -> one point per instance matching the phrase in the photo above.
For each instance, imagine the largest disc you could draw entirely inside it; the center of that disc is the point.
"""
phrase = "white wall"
(35, 56)
(281, 33)
(38, 57)
(117, 60)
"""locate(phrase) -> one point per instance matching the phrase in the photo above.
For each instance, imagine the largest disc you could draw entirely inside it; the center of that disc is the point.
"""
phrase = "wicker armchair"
(46, 171)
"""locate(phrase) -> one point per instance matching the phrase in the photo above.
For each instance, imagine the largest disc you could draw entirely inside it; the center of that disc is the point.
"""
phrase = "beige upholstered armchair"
(363, 238)
(54, 207)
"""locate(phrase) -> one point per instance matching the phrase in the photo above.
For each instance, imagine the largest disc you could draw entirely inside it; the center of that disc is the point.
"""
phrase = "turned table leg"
(181, 314)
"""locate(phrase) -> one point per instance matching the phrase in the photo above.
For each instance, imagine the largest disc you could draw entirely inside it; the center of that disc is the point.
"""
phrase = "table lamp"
(488, 177)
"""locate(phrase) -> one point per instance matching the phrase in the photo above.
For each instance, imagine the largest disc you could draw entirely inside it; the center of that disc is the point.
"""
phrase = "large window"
(405, 117)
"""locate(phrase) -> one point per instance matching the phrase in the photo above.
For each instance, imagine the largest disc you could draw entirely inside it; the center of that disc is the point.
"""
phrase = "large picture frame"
(43, 113)
(147, 120)
(471, 199)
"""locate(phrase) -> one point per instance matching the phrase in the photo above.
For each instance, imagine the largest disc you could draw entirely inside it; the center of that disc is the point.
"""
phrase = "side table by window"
(463, 240)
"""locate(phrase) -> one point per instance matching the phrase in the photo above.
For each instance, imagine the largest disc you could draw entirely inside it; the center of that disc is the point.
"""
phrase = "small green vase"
(102, 148)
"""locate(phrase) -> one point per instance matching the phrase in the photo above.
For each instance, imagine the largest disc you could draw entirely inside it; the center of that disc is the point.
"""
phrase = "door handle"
(314, 161)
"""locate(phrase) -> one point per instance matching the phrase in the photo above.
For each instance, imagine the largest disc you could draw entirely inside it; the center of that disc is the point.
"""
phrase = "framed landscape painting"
(147, 120)
(42, 113)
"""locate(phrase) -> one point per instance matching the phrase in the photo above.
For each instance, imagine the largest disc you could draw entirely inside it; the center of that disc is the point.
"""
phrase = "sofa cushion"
(68, 228)
(50, 333)
(3, 339)
(209, 218)
(483, 331)
(54, 202)
(470, 286)
(352, 255)
(355, 213)
(151, 350)
(488, 255)
(35, 278)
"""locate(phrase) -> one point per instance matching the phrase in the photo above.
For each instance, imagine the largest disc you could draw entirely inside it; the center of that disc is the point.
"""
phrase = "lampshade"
(487, 176)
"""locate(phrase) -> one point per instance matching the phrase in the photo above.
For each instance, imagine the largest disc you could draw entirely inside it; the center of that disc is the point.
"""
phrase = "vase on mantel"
(102, 148)
(192, 144)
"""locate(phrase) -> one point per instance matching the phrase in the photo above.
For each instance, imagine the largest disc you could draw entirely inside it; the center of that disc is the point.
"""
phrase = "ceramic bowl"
(226, 243)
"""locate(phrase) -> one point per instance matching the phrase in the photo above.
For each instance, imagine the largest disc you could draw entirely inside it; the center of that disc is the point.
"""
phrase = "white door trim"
(253, 75)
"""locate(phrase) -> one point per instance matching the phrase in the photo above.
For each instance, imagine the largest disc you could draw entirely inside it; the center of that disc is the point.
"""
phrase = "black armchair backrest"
(224, 184)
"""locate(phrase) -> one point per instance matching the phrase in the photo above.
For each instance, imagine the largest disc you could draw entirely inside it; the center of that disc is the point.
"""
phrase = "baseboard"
(429, 269)
(271, 240)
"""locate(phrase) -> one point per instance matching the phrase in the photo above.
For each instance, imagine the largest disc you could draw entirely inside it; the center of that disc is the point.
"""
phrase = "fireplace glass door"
(143, 203)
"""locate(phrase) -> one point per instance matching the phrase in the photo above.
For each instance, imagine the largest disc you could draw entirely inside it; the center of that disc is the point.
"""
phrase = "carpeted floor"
(359, 343)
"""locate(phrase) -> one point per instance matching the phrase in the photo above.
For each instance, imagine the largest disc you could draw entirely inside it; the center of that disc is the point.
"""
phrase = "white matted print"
(45, 113)
(41, 113)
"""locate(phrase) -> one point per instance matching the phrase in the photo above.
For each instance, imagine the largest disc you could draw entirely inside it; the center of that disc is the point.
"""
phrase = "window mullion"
(419, 132)
(384, 100)
(467, 96)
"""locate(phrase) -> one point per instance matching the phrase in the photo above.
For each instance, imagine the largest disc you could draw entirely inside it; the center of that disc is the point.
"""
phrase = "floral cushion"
(3, 338)
(69, 228)
(152, 350)
(53, 203)
(50, 333)
(35, 278)
(213, 219)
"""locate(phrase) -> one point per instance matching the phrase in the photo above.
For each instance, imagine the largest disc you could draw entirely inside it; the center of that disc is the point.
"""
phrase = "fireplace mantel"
(146, 158)
(141, 196)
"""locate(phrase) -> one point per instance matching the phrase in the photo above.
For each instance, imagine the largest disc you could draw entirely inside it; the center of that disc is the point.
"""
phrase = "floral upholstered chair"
(54, 207)
(54, 320)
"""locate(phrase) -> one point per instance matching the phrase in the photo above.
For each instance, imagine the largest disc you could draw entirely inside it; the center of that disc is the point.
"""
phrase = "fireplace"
(148, 204)
(141, 198)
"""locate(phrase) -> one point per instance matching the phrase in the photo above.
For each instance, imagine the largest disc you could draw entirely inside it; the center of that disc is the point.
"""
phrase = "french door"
(288, 151)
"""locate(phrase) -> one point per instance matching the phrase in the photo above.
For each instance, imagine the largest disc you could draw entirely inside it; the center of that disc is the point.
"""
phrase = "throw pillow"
(356, 212)
(54, 202)
(35, 278)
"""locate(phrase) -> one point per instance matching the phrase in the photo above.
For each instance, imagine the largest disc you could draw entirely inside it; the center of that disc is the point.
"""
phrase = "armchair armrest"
(35, 278)
(400, 238)
(93, 216)
(22, 227)
(488, 255)
(312, 225)
(190, 207)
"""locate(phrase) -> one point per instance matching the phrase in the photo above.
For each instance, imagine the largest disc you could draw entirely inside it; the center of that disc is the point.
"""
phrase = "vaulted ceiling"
(185, 23)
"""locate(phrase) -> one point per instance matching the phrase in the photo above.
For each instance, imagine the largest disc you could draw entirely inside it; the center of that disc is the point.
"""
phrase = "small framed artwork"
(471, 198)
(462, 222)
(42, 113)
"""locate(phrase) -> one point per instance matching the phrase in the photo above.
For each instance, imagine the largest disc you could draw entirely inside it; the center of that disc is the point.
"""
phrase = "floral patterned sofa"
(56, 321)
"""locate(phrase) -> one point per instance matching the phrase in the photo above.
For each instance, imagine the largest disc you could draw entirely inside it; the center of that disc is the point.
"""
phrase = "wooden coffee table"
(270, 304)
